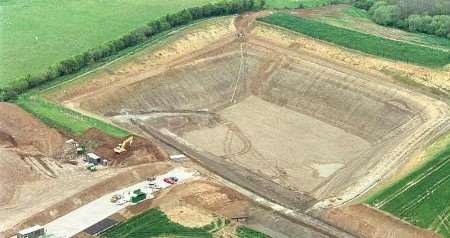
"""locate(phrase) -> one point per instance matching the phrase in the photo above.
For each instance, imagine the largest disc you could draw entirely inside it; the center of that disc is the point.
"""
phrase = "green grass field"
(36, 34)
(57, 116)
(72, 122)
(363, 42)
(154, 223)
(357, 19)
(244, 232)
(297, 3)
(422, 197)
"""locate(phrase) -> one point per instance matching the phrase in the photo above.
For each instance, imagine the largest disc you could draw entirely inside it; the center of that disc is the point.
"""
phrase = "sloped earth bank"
(292, 116)
(24, 142)
(32, 175)
(365, 221)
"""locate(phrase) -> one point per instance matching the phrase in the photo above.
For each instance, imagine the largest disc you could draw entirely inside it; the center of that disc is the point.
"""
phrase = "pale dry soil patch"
(282, 139)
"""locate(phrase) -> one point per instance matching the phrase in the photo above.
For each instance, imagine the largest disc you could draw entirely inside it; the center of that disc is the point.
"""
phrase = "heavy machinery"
(91, 167)
(122, 147)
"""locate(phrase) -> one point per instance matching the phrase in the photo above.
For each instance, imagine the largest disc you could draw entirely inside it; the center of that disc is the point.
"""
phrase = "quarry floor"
(234, 98)
(268, 103)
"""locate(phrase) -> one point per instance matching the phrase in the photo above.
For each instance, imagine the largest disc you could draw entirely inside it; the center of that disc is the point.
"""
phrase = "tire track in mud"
(262, 191)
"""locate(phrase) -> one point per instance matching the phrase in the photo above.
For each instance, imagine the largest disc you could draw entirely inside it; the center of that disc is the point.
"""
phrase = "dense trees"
(426, 16)
(138, 36)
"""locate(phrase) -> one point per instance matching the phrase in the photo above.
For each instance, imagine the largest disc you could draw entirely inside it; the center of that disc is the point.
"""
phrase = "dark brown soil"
(140, 151)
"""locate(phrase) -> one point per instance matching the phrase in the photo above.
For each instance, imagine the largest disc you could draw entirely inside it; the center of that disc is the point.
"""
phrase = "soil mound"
(21, 129)
(21, 137)
(140, 151)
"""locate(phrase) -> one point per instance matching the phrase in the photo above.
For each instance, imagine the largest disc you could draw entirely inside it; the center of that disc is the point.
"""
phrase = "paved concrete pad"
(97, 210)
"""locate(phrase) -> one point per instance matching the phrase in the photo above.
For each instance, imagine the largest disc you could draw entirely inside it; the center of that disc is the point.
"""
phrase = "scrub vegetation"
(425, 16)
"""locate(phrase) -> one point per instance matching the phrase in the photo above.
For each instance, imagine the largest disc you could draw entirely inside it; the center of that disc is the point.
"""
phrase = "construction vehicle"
(122, 147)
(81, 150)
(91, 167)
(116, 197)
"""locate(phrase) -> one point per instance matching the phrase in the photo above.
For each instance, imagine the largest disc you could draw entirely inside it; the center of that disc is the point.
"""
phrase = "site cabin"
(138, 196)
(31, 232)
(93, 158)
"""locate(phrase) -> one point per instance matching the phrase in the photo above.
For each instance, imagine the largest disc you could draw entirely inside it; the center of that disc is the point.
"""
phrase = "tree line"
(133, 38)
(425, 16)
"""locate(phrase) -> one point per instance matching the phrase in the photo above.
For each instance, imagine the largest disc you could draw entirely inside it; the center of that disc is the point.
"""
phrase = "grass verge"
(363, 42)
(244, 232)
(69, 121)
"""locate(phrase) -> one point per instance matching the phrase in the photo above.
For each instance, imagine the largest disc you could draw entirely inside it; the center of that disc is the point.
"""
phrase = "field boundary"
(412, 53)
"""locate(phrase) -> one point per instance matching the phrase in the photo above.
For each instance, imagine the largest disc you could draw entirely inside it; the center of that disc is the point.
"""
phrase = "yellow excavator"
(122, 147)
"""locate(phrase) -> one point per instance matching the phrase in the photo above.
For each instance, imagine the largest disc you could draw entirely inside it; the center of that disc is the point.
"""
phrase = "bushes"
(425, 16)
(138, 36)
(387, 15)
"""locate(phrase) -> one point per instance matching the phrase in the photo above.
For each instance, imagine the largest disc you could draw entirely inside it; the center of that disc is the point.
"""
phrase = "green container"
(138, 197)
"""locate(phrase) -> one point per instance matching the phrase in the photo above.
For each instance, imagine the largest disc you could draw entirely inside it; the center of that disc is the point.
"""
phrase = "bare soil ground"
(367, 222)
(139, 152)
(25, 142)
(30, 162)
(207, 90)
(290, 153)
(74, 194)
(207, 199)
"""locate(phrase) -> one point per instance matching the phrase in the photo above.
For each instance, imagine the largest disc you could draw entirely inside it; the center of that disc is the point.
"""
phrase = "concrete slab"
(97, 210)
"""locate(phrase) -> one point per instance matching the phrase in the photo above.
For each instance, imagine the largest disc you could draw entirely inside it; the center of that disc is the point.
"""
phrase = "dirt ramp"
(367, 222)
(22, 137)
(20, 128)
(6, 140)
(13, 172)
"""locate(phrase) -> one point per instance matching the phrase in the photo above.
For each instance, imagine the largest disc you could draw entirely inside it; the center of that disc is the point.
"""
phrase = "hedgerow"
(136, 37)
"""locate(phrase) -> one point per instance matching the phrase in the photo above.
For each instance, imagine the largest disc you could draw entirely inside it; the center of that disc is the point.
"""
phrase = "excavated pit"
(308, 124)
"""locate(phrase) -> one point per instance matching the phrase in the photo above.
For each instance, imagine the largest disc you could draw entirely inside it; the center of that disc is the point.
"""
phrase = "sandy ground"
(30, 163)
(25, 146)
(71, 194)
(293, 74)
(367, 222)
(340, 88)
(284, 144)
(432, 78)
